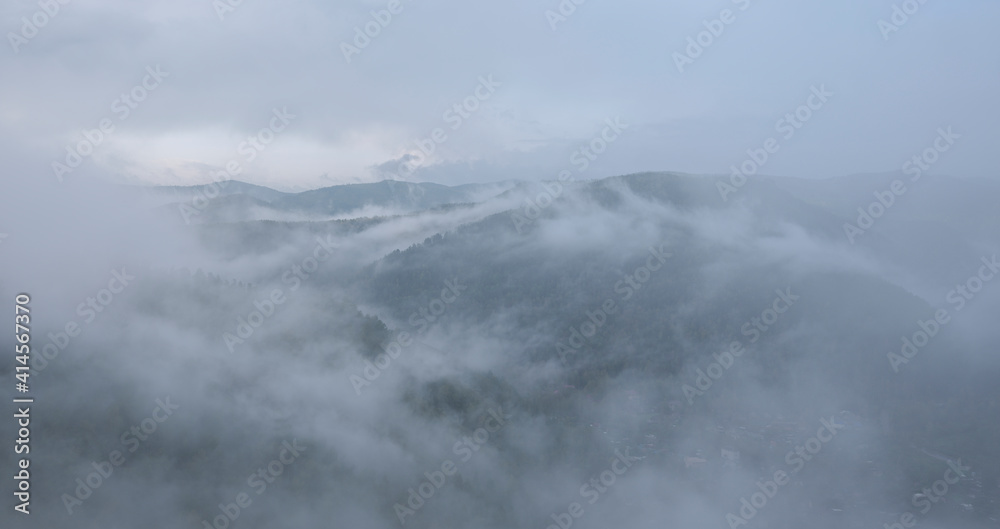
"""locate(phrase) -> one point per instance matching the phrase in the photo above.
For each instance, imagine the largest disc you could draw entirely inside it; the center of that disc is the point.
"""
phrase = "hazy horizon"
(891, 81)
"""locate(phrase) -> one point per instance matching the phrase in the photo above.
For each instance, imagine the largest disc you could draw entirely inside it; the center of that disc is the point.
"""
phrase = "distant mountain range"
(706, 331)
(234, 200)
(935, 216)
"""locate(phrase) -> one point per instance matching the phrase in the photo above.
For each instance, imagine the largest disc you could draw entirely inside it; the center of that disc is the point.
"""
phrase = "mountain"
(232, 201)
(494, 354)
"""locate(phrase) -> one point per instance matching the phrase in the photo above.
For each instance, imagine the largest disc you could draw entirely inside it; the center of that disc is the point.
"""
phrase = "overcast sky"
(559, 80)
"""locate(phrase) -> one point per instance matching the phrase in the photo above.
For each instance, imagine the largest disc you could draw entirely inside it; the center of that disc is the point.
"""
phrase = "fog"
(377, 346)
(625, 290)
